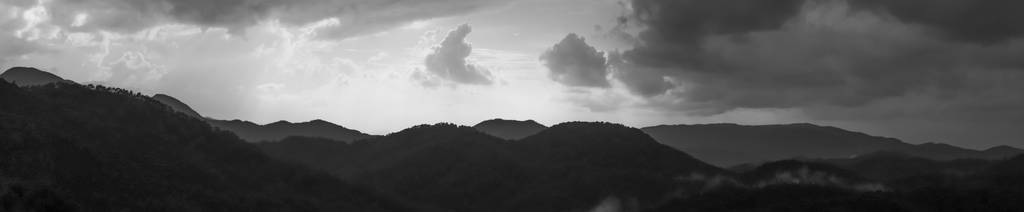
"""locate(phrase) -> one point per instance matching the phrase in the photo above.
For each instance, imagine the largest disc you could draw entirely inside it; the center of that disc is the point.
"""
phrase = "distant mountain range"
(253, 132)
(509, 129)
(731, 144)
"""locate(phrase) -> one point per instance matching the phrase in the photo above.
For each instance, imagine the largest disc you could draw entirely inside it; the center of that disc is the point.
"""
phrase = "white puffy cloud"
(573, 62)
(448, 60)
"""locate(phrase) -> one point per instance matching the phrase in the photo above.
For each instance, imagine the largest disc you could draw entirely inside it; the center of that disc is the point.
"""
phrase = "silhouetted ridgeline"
(253, 132)
(568, 167)
(732, 144)
(509, 129)
(95, 148)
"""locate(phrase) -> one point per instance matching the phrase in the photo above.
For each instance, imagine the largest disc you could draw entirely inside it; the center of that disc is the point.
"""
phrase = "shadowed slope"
(109, 149)
(177, 105)
(732, 144)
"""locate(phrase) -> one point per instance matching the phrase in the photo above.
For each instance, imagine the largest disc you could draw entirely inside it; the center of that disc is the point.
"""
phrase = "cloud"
(686, 21)
(573, 62)
(354, 16)
(13, 40)
(716, 56)
(985, 22)
(448, 59)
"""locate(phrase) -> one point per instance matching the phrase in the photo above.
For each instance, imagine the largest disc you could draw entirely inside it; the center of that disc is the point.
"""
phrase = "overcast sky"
(947, 71)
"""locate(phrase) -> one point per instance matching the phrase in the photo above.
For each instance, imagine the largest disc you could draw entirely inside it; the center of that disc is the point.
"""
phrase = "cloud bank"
(716, 56)
(353, 16)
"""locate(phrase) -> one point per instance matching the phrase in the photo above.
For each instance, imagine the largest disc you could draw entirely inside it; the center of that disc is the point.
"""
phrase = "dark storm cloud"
(715, 56)
(684, 21)
(988, 21)
(354, 15)
(573, 62)
(448, 59)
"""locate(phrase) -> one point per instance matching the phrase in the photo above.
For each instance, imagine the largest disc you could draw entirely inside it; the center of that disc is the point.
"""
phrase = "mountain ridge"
(732, 144)
(459, 168)
(510, 129)
(95, 148)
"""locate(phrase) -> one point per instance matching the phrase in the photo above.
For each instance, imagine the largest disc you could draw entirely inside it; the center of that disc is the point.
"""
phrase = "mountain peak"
(320, 121)
(593, 132)
(176, 105)
(28, 76)
(281, 122)
(509, 129)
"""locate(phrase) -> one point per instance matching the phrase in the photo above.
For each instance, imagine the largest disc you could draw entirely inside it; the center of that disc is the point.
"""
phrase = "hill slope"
(107, 149)
(26, 76)
(253, 132)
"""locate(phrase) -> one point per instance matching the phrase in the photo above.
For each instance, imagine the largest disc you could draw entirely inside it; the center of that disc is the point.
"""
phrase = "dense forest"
(67, 147)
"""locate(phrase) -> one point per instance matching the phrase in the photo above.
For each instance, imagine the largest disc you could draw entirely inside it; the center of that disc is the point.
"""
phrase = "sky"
(947, 71)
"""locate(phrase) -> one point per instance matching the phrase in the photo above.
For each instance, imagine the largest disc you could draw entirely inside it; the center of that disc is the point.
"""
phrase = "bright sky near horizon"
(382, 66)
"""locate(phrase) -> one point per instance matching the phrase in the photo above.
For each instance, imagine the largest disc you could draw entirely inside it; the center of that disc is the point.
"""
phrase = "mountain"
(509, 129)
(176, 105)
(71, 147)
(26, 76)
(253, 132)
(568, 167)
(732, 144)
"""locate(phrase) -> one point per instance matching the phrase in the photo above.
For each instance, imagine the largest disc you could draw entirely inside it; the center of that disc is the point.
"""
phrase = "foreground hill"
(732, 144)
(66, 147)
(509, 129)
(568, 167)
